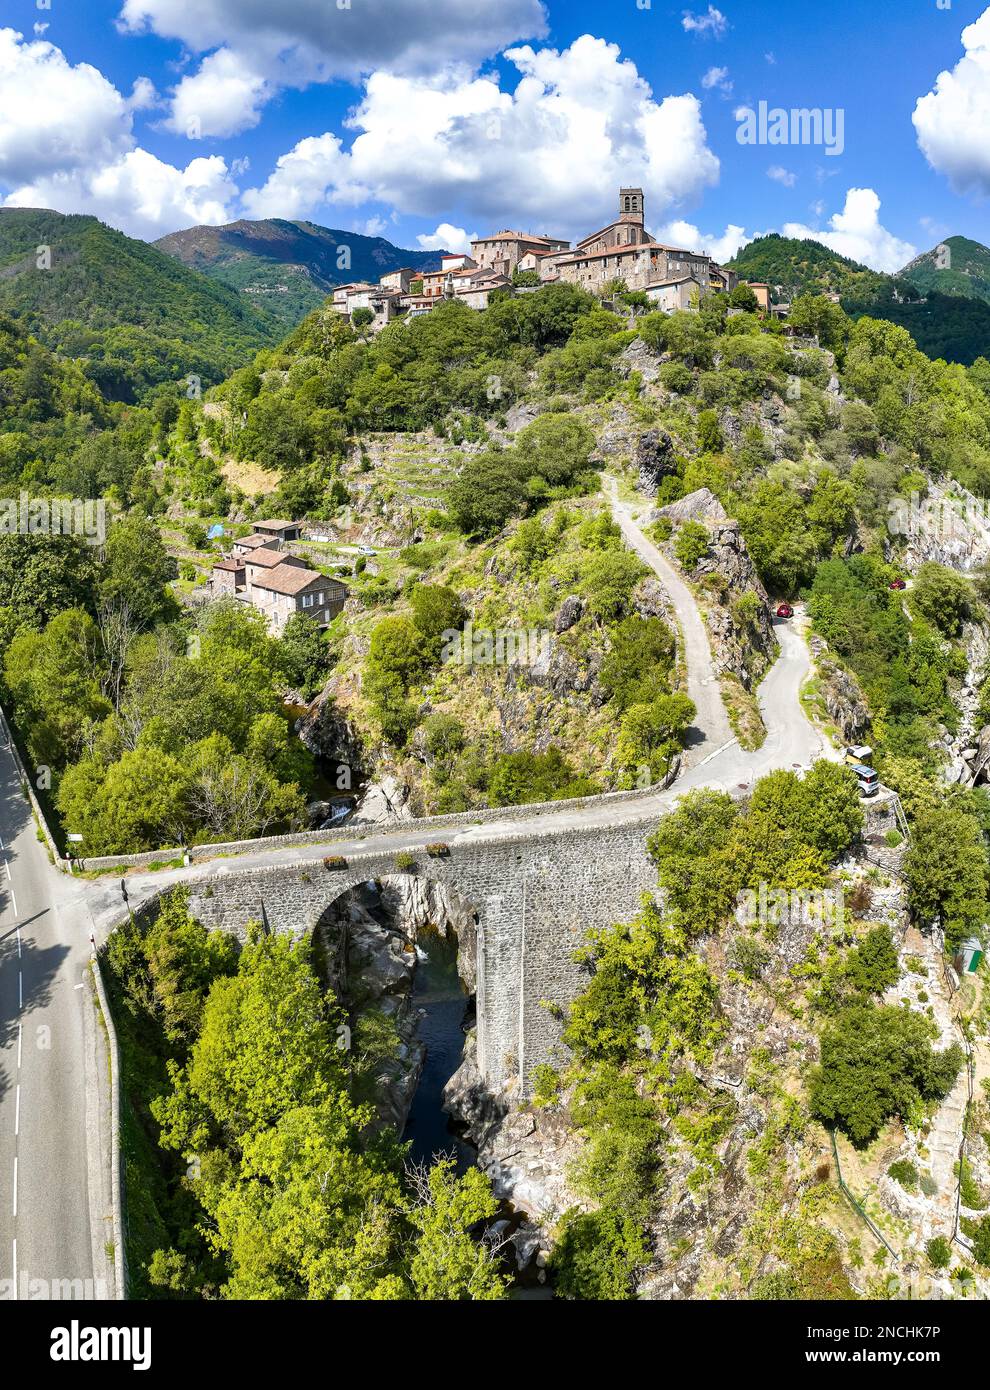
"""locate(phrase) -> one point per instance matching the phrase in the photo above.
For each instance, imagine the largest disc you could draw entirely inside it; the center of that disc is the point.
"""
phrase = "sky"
(431, 121)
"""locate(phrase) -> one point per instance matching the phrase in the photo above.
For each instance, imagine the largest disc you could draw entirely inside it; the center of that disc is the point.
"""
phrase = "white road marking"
(17, 1110)
(15, 1184)
(15, 1266)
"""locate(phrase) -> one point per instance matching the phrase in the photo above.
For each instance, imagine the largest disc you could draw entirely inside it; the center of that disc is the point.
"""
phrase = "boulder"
(701, 505)
(383, 803)
(655, 460)
(569, 613)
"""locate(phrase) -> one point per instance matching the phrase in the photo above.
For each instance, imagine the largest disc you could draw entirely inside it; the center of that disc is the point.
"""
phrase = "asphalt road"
(54, 1202)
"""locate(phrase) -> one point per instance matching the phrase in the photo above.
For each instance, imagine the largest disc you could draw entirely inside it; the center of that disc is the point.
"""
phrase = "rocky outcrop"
(740, 630)
(371, 967)
(651, 600)
(655, 460)
(418, 904)
(383, 803)
(845, 702)
(701, 505)
(637, 357)
(569, 613)
(525, 1153)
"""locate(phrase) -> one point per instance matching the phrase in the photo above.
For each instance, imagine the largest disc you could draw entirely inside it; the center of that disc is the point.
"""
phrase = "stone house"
(503, 251)
(262, 562)
(228, 576)
(399, 279)
(680, 293)
(247, 544)
(288, 589)
(284, 531)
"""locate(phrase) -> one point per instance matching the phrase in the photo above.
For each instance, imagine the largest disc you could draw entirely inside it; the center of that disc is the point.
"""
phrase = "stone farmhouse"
(260, 572)
(673, 277)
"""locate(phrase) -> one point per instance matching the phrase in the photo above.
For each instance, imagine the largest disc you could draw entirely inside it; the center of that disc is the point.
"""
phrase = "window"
(307, 600)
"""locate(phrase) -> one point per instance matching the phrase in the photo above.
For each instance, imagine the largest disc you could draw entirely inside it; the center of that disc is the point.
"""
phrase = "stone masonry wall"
(535, 898)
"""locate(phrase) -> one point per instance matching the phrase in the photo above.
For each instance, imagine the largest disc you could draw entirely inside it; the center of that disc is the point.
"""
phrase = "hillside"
(946, 326)
(967, 272)
(133, 316)
(805, 267)
(289, 266)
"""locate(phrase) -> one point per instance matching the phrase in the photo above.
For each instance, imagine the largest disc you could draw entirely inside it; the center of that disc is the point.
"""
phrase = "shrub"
(335, 861)
(939, 1252)
(405, 861)
(691, 543)
(546, 1085)
(438, 850)
(905, 1173)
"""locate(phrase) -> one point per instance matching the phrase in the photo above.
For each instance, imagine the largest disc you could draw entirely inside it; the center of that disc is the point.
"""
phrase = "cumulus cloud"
(548, 154)
(54, 116)
(447, 238)
(222, 98)
(297, 42)
(720, 247)
(67, 142)
(856, 232)
(779, 174)
(713, 23)
(953, 120)
(138, 193)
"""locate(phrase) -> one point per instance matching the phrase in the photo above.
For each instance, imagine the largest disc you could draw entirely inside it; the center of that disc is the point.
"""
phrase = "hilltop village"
(670, 277)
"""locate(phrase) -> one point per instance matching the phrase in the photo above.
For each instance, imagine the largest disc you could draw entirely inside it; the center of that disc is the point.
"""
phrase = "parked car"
(898, 583)
(784, 610)
(367, 550)
(858, 754)
(868, 779)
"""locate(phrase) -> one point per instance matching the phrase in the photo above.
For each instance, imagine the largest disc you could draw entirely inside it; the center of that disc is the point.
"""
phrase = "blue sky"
(430, 120)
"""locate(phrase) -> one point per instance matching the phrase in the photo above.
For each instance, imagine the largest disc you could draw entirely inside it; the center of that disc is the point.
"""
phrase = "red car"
(898, 584)
(784, 610)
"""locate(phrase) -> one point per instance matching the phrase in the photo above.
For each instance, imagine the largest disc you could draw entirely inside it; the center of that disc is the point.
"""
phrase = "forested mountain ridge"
(948, 325)
(962, 268)
(134, 317)
(290, 267)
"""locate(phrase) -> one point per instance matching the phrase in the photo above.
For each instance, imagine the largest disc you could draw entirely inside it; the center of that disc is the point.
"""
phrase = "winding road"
(55, 1207)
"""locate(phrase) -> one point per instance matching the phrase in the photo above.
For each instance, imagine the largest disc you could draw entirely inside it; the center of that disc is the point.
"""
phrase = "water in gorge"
(437, 989)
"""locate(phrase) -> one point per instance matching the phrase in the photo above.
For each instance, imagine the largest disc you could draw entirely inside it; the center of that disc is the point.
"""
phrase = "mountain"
(956, 266)
(946, 325)
(805, 267)
(289, 266)
(133, 316)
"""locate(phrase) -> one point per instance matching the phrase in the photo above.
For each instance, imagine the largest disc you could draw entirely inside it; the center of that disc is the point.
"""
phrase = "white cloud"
(138, 193)
(374, 226)
(713, 23)
(297, 42)
(54, 116)
(67, 142)
(952, 121)
(314, 169)
(223, 97)
(447, 238)
(717, 78)
(548, 154)
(720, 248)
(856, 232)
(779, 174)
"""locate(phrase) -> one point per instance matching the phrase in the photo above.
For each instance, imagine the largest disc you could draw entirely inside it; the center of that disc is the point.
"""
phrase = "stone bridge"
(533, 897)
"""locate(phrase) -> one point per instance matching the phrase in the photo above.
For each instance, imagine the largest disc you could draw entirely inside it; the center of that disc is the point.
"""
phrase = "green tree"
(946, 871)
(448, 1263)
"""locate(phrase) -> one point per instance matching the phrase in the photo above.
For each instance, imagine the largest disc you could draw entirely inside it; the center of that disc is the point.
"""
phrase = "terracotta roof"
(268, 559)
(253, 541)
(520, 236)
(276, 525)
(229, 565)
(287, 579)
(677, 280)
